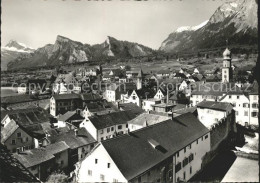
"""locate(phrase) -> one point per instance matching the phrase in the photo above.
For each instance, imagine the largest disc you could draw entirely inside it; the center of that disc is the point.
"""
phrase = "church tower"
(227, 69)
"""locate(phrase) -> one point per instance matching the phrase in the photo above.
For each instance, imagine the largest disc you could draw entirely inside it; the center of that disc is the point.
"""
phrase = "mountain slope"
(65, 51)
(235, 21)
(12, 51)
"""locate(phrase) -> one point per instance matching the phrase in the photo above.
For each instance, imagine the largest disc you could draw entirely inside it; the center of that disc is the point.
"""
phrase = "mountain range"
(235, 21)
(66, 51)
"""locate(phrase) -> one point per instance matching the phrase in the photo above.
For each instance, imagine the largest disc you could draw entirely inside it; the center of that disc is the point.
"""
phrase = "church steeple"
(227, 69)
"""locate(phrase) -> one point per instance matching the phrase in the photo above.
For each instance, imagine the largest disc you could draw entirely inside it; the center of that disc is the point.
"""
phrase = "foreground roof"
(133, 154)
(12, 170)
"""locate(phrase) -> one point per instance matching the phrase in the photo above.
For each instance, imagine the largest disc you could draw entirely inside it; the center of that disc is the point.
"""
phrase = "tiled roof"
(8, 130)
(12, 170)
(222, 106)
(83, 138)
(149, 119)
(114, 118)
(16, 99)
(68, 115)
(32, 120)
(66, 96)
(133, 154)
(34, 157)
(37, 156)
(90, 96)
(131, 107)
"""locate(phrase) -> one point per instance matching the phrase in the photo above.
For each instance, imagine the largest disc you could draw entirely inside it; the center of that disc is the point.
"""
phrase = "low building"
(114, 91)
(21, 127)
(163, 107)
(133, 108)
(60, 104)
(42, 161)
(80, 142)
(107, 126)
(15, 138)
(148, 103)
(158, 153)
(212, 91)
(70, 118)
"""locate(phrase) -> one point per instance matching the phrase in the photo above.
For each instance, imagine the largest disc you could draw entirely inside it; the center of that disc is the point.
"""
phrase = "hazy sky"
(38, 22)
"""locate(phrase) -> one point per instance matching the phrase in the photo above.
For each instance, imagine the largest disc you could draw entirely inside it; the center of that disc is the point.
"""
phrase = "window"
(197, 141)
(177, 167)
(119, 127)
(191, 157)
(184, 149)
(238, 97)
(245, 113)
(148, 173)
(229, 96)
(185, 162)
(254, 114)
(102, 138)
(190, 170)
(126, 125)
(254, 105)
(134, 97)
(184, 175)
(245, 105)
(206, 136)
(102, 177)
(201, 138)
(101, 131)
(13, 142)
(115, 180)
(190, 146)
(108, 165)
(108, 130)
(237, 113)
(19, 134)
(96, 161)
(140, 179)
(112, 128)
(177, 154)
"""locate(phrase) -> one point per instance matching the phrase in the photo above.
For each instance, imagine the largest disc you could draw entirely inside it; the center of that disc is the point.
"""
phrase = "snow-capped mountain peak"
(191, 28)
(13, 45)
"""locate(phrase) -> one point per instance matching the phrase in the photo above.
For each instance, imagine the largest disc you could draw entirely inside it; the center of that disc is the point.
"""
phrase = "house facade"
(177, 161)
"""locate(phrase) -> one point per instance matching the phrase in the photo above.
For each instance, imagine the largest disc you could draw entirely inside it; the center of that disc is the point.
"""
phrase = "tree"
(128, 67)
(58, 178)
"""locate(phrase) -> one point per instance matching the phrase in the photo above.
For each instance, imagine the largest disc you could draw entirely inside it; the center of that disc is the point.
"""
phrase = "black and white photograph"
(162, 91)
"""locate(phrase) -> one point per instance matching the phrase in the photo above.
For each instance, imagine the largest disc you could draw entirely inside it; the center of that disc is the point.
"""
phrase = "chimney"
(76, 132)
